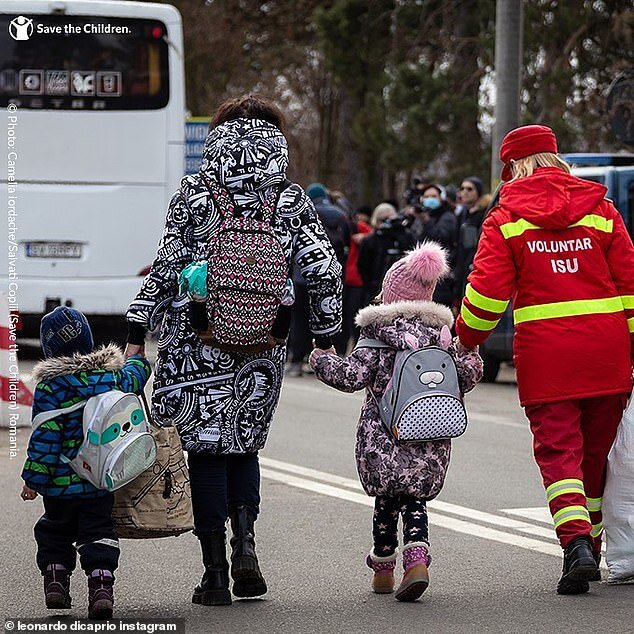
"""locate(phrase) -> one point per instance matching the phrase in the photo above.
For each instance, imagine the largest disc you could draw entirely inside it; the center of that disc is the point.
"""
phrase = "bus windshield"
(70, 62)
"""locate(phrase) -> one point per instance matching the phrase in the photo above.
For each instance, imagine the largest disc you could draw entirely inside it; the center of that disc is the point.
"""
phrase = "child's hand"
(132, 349)
(462, 349)
(28, 493)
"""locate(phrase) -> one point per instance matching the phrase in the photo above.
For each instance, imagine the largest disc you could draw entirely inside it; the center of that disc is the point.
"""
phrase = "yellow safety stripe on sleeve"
(593, 504)
(628, 301)
(561, 487)
(597, 529)
(630, 324)
(475, 322)
(568, 309)
(517, 228)
(484, 302)
(570, 513)
(595, 222)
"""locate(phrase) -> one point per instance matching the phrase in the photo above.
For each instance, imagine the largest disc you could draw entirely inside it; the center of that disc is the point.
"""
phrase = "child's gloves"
(193, 281)
(317, 353)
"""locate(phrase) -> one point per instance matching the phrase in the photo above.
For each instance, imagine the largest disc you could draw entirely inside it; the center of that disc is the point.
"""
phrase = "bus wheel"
(491, 368)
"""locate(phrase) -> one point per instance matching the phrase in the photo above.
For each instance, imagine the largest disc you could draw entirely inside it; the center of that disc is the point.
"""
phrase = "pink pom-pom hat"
(414, 277)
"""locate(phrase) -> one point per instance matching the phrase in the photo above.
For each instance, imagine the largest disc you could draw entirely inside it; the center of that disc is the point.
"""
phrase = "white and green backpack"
(117, 445)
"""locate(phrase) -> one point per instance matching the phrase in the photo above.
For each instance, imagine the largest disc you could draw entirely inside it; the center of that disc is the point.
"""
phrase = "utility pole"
(508, 75)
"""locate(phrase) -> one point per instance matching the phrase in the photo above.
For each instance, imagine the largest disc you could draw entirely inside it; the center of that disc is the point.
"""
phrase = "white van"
(96, 90)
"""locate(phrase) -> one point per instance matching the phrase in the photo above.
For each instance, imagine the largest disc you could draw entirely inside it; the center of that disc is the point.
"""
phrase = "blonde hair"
(383, 209)
(521, 168)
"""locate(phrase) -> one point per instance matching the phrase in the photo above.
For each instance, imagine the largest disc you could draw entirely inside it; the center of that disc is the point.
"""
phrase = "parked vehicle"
(98, 91)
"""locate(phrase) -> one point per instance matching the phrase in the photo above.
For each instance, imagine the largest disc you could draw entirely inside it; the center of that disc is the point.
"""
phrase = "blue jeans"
(219, 484)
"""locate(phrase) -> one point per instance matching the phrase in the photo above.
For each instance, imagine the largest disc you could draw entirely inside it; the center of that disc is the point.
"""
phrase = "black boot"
(579, 567)
(597, 559)
(245, 570)
(57, 587)
(100, 594)
(214, 586)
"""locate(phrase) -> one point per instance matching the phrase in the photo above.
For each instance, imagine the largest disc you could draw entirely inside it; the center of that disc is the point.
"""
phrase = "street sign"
(620, 106)
(196, 129)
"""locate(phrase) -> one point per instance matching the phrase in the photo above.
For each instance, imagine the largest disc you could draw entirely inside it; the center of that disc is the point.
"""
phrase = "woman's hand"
(462, 349)
(133, 348)
(28, 493)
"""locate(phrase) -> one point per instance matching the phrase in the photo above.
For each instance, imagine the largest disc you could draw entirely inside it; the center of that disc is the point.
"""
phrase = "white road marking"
(459, 526)
(443, 507)
(536, 513)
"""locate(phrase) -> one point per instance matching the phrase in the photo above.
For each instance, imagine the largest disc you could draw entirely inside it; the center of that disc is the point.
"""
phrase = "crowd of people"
(368, 241)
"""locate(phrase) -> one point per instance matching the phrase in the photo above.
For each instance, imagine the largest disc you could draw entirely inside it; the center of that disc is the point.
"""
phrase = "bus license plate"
(57, 250)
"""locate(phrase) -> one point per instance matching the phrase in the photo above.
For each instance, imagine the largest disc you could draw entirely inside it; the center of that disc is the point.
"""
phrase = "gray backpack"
(423, 400)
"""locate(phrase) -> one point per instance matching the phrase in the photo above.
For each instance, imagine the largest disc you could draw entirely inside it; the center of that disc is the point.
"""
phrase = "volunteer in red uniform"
(560, 251)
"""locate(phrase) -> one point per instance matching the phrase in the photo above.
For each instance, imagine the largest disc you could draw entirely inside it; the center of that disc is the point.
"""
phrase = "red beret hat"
(524, 141)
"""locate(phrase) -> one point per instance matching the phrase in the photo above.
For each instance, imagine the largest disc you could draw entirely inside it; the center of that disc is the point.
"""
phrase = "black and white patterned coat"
(223, 402)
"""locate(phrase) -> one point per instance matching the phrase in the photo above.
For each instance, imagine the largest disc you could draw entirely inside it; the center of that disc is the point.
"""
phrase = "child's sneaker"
(383, 580)
(57, 587)
(100, 594)
(416, 559)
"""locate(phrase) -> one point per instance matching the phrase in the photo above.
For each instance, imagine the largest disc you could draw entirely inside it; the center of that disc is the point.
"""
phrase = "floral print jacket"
(385, 466)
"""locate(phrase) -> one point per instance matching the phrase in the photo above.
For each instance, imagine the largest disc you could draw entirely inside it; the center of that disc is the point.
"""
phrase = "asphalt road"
(495, 567)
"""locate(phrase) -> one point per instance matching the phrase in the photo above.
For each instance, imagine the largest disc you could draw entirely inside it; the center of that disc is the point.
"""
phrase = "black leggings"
(385, 522)
(219, 484)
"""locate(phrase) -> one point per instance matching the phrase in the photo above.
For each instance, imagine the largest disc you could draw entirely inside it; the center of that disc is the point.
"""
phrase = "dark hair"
(248, 107)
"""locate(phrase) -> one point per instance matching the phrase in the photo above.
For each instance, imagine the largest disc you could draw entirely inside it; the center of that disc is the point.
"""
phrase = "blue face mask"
(431, 203)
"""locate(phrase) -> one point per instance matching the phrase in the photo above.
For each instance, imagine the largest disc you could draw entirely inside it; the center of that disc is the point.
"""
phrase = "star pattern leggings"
(385, 522)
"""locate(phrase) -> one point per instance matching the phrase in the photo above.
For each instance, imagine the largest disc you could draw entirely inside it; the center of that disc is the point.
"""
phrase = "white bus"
(96, 90)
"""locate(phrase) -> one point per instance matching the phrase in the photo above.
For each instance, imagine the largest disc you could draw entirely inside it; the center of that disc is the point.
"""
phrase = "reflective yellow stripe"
(593, 504)
(630, 324)
(568, 309)
(475, 322)
(485, 303)
(628, 301)
(596, 222)
(570, 513)
(517, 228)
(597, 529)
(571, 485)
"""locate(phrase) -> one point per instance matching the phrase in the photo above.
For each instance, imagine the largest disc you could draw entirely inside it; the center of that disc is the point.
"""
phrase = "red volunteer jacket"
(560, 251)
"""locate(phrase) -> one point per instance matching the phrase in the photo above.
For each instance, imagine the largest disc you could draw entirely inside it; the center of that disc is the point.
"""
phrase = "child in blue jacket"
(77, 515)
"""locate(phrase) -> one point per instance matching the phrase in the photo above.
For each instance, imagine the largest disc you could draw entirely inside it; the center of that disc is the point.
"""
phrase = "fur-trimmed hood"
(430, 313)
(108, 357)
(407, 324)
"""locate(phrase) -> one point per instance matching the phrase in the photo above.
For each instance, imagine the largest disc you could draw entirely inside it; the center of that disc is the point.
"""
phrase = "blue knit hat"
(316, 191)
(64, 332)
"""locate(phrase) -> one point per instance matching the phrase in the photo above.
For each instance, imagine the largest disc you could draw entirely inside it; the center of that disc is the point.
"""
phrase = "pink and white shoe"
(416, 560)
(383, 580)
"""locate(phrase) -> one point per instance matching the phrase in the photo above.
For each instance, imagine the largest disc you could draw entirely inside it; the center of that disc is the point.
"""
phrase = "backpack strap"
(43, 417)
(367, 342)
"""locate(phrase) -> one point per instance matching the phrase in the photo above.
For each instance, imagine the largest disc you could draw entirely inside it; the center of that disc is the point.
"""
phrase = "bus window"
(93, 63)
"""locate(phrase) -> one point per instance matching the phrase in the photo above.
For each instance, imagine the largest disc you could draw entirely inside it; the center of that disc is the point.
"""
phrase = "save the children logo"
(21, 28)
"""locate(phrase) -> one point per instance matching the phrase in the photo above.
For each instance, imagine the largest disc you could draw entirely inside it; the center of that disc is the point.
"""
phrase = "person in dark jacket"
(437, 222)
(77, 515)
(388, 244)
(223, 402)
(338, 230)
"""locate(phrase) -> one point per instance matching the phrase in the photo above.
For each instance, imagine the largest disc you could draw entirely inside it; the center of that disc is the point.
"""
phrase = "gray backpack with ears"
(423, 400)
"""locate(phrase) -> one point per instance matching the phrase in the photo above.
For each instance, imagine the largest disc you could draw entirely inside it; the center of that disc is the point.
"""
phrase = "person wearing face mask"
(438, 223)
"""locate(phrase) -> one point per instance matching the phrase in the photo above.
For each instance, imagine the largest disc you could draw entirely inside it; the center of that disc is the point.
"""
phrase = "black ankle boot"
(214, 586)
(597, 559)
(245, 570)
(100, 594)
(57, 587)
(579, 567)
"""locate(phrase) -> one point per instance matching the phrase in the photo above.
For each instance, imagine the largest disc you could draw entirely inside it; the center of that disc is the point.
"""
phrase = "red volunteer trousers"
(571, 442)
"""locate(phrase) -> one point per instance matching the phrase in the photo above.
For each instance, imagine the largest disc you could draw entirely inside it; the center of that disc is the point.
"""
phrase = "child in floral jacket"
(402, 477)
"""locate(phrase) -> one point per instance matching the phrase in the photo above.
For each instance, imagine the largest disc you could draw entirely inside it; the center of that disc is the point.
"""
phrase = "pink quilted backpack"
(246, 277)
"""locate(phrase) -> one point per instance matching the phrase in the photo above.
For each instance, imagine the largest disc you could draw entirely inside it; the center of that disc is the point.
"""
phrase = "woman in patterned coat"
(222, 403)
